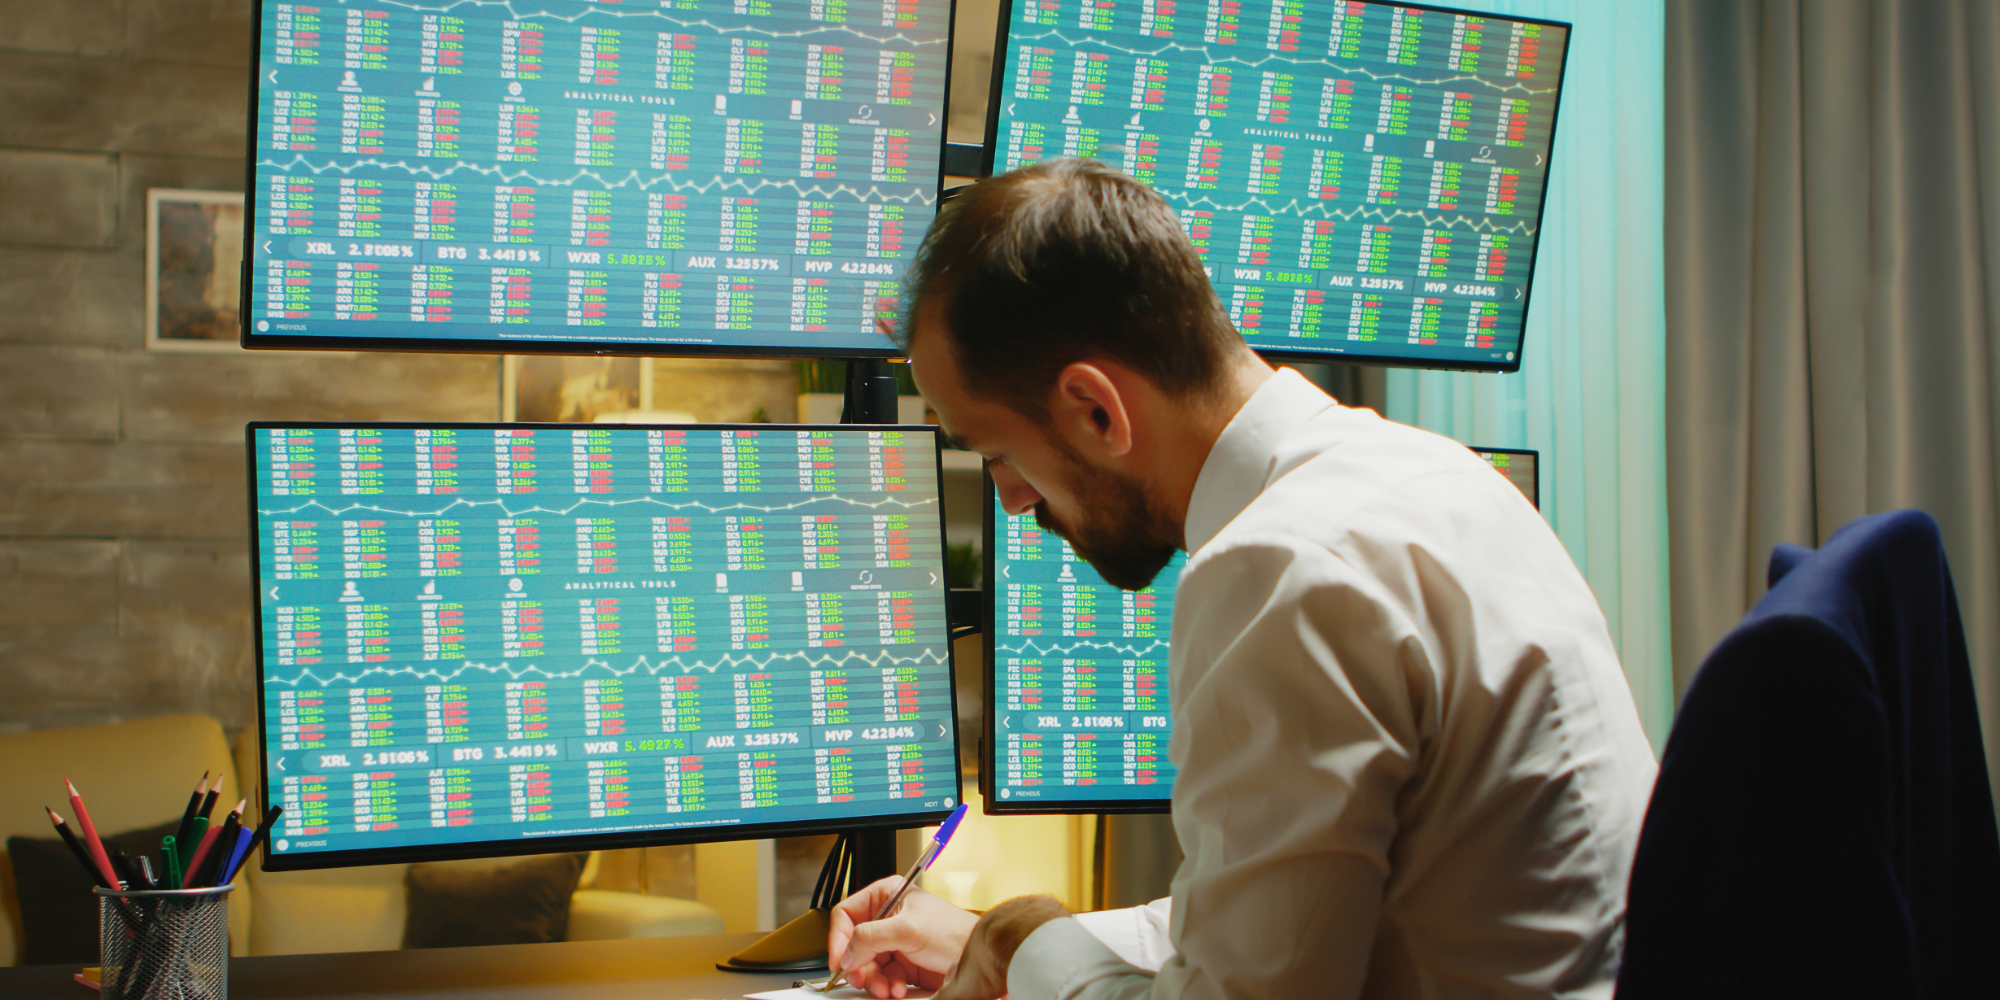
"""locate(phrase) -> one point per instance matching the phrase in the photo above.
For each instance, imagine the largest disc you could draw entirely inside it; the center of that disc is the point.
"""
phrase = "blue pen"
(229, 867)
(924, 860)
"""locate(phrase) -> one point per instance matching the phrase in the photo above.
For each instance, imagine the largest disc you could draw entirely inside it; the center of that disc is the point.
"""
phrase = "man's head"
(1060, 323)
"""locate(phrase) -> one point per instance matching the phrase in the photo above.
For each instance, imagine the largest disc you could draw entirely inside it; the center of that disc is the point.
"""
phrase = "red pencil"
(90, 841)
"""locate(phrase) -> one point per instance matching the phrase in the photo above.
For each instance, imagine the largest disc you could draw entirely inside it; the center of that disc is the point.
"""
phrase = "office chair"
(1822, 824)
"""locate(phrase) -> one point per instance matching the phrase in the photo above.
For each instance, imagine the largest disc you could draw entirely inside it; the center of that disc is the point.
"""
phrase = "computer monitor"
(1077, 710)
(486, 639)
(736, 177)
(1522, 467)
(1363, 181)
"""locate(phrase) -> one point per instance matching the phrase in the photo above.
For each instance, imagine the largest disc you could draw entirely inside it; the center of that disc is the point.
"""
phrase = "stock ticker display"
(475, 633)
(1080, 712)
(729, 173)
(1359, 178)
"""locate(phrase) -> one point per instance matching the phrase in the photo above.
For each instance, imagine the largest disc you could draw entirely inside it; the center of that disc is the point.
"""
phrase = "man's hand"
(917, 945)
(982, 971)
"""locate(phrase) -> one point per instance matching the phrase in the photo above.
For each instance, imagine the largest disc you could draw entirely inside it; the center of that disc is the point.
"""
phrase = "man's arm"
(1294, 734)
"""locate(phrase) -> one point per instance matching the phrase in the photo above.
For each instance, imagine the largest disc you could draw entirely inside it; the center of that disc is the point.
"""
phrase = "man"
(1409, 765)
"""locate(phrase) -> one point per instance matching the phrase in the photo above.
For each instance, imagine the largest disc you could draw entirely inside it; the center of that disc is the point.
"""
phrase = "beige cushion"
(333, 909)
(131, 774)
(600, 915)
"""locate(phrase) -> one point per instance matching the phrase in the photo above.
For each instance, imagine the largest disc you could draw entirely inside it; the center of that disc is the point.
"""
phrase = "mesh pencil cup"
(168, 944)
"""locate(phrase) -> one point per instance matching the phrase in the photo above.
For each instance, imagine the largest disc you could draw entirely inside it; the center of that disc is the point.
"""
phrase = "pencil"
(208, 801)
(207, 833)
(194, 802)
(90, 841)
(82, 856)
(90, 870)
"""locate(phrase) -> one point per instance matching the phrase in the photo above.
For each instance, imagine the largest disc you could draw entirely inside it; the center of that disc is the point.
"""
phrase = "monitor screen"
(1077, 710)
(1361, 180)
(480, 639)
(1521, 467)
(682, 176)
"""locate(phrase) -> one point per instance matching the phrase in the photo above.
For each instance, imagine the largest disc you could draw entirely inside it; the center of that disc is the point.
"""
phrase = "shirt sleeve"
(1294, 735)
(1137, 934)
(1062, 959)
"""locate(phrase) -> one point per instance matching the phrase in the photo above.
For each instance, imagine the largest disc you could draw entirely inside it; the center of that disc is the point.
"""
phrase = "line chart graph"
(507, 511)
(799, 659)
(1333, 212)
(748, 185)
(1072, 648)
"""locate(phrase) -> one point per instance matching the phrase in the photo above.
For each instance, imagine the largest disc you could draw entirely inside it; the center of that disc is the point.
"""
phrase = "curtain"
(1590, 395)
(1832, 261)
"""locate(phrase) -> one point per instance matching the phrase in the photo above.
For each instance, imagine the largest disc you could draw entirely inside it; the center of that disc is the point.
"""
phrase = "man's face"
(1106, 514)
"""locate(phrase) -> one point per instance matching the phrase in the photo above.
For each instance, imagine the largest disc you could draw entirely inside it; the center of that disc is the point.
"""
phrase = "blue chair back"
(1822, 823)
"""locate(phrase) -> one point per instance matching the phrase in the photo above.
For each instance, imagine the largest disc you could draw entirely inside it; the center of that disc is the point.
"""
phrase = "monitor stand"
(858, 859)
(861, 857)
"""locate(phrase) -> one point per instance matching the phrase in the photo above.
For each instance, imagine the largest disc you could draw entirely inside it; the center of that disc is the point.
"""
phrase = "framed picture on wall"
(194, 269)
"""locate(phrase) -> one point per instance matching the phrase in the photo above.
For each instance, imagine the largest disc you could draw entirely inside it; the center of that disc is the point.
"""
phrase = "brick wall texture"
(124, 569)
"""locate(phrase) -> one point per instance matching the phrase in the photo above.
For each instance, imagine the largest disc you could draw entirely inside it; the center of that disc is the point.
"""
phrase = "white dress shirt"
(1409, 764)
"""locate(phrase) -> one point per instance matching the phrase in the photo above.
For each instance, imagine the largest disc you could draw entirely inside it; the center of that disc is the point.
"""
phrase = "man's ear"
(1090, 412)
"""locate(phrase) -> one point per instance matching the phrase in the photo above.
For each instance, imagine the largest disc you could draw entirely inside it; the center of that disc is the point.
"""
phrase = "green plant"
(962, 565)
(827, 375)
(822, 375)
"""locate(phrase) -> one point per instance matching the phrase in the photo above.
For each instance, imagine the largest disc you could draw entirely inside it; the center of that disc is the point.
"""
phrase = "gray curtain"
(1833, 293)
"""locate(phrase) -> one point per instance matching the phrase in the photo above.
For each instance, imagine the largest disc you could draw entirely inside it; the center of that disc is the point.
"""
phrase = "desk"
(641, 969)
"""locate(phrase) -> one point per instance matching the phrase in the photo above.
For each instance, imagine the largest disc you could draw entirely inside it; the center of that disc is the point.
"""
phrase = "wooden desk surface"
(644, 969)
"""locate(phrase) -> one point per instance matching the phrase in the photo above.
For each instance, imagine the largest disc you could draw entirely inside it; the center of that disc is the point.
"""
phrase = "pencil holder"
(170, 944)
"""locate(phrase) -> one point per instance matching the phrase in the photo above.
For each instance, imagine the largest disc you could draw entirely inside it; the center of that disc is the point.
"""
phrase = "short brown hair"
(1067, 260)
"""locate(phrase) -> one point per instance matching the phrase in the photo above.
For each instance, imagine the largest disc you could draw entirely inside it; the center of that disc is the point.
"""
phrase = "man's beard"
(1128, 539)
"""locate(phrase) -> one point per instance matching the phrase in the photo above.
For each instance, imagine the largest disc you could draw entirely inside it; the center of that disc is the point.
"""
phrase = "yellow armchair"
(131, 774)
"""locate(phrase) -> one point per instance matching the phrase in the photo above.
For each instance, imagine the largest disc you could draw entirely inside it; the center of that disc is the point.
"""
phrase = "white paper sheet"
(843, 993)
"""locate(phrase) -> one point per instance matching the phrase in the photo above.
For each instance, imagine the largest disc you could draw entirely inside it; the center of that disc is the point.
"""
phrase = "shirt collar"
(1246, 455)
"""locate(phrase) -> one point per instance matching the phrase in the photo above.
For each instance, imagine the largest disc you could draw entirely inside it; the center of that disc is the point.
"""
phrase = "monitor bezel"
(1295, 355)
(250, 340)
(989, 744)
(274, 861)
(1482, 450)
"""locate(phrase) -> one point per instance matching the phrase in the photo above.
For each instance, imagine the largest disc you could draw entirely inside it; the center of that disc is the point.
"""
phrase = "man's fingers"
(864, 977)
(894, 976)
(857, 911)
(881, 937)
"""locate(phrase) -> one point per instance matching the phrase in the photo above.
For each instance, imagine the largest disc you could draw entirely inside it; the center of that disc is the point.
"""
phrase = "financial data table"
(1081, 712)
(726, 172)
(488, 632)
(1357, 177)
